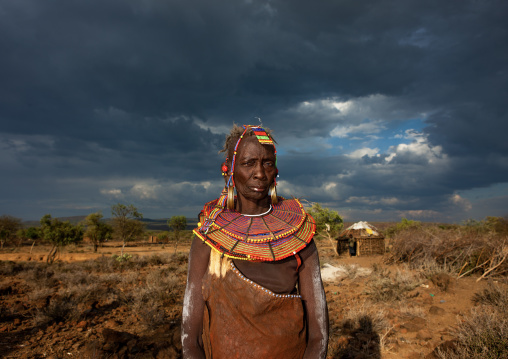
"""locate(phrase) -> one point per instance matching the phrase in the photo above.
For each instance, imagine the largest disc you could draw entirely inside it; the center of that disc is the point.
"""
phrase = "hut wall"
(342, 246)
(369, 246)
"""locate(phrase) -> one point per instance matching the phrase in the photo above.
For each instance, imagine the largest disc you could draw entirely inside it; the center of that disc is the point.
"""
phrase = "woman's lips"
(257, 188)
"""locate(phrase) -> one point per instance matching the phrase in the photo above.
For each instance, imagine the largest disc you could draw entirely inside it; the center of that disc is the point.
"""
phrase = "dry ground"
(116, 315)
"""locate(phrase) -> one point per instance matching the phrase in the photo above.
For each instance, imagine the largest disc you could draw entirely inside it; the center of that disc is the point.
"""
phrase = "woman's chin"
(254, 196)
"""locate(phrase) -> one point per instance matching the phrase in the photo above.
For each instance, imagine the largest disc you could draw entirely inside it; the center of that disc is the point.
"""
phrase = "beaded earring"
(224, 168)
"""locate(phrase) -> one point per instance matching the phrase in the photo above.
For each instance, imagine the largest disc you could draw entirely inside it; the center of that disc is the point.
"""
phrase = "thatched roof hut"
(369, 240)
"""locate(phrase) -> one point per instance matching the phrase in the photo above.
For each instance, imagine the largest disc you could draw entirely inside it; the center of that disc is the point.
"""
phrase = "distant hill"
(151, 224)
(162, 224)
(73, 220)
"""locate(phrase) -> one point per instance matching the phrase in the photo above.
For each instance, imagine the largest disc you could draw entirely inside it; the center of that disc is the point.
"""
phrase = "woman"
(254, 287)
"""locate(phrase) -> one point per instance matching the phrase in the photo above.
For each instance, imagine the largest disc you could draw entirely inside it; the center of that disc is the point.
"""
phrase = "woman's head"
(253, 165)
(254, 171)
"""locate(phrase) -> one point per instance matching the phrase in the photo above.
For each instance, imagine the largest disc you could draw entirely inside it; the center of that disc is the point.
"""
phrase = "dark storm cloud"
(130, 99)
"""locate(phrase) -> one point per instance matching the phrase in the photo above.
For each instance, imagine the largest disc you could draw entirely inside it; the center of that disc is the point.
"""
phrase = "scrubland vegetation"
(440, 291)
(476, 247)
(395, 306)
(140, 297)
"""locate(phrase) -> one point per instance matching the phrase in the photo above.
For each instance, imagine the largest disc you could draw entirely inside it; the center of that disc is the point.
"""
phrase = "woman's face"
(254, 170)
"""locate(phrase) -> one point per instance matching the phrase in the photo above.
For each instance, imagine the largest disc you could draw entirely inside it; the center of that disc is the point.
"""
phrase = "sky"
(382, 109)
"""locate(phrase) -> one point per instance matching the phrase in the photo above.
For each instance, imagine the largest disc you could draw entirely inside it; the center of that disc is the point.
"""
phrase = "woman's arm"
(193, 303)
(316, 310)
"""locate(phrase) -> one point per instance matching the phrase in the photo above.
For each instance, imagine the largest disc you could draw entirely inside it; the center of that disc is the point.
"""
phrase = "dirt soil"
(413, 327)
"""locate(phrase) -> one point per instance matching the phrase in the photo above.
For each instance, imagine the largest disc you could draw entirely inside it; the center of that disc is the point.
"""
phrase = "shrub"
(149, 301)
(493, 295)
(122, 258)
(10, 268)
(462, 251)
(365, 326)
(60, 309)
(40, 276)
(482, 335)
(384, 288)
(40, 294)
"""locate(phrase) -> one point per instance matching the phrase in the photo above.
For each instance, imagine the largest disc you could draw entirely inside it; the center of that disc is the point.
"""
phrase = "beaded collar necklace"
(272, 236)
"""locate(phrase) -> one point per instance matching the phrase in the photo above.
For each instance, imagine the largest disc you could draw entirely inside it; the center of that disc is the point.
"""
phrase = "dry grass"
(411, 311)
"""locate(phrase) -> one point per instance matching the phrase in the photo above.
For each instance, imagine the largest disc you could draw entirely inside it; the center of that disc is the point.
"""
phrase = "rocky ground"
(96, 306)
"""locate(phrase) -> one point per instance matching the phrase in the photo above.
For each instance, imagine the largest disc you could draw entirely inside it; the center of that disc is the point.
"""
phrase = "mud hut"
(368, 238)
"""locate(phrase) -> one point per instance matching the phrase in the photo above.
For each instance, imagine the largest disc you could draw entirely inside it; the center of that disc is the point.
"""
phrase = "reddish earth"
(116, 326)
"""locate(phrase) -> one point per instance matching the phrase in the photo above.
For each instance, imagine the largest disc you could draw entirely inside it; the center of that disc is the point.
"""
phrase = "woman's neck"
(252, 208)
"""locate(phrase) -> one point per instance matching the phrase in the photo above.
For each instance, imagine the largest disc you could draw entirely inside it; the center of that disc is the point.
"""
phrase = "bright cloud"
(116, 193)
(363, 152)
(418, 148)
(461, 202)
(362, 128)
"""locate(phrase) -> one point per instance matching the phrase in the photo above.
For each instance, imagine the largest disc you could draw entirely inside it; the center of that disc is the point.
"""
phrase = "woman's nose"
(259, 172)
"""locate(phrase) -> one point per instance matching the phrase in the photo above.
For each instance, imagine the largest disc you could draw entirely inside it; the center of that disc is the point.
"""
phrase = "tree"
(32, 233)
(97, 230)
(126, 222)
(327, 221)
(178, 224)
(59, 234)
(8, 227)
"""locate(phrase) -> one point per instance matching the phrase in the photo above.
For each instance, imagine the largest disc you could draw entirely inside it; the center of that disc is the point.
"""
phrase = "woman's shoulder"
(308, 251)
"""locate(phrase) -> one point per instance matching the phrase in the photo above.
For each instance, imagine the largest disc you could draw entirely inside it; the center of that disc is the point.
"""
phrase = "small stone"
(414, 355)
(436, 310)
(414, 324)
(82, 324)
(428, 300)
(342, 342)
(19, 307)
(423, 335)
(111, 323)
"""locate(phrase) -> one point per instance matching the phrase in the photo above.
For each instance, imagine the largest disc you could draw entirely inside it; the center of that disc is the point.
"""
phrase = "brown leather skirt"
(244, 320)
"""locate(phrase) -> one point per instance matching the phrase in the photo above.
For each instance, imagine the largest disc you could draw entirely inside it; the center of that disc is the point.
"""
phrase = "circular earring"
(231, 198)
(273, 193)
